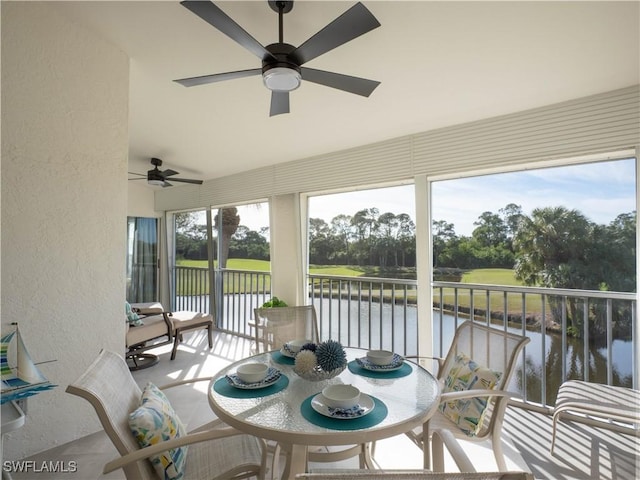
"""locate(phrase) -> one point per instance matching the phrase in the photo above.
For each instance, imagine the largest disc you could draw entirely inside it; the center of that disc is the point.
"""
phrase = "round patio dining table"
(399, 401)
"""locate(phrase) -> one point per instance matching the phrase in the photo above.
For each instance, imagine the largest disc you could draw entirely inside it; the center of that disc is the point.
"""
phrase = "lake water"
(542, 356)
(368, 326)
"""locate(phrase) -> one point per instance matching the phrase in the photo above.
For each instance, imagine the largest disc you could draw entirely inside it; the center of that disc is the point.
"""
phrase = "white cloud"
(600, 191)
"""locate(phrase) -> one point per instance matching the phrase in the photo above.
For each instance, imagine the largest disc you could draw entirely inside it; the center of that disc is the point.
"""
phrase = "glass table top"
(410, 401)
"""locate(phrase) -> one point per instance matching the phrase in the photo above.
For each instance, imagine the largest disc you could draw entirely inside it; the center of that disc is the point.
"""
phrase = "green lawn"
(491, 276)
(342, 271)
(264, 266)
(232, 263)
(496, 301)
(484, 276)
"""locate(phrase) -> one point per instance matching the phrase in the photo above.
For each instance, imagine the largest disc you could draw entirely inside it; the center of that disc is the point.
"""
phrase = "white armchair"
(216, 451)
(485, 357)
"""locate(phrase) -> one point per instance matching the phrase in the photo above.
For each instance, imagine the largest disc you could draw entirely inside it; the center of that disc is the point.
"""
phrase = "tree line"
(553, 247)
(366, 238)
(238, 241)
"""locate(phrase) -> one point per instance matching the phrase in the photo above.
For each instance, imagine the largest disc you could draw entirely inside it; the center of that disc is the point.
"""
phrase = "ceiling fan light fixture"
(155, 182)
(281, 79)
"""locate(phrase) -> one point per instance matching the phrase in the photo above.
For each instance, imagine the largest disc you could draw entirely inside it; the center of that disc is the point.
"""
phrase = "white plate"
(273, 375)
(365, 405)
(396, 364)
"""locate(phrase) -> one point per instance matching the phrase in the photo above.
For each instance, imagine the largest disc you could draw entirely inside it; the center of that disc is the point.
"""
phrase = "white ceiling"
(440, 64)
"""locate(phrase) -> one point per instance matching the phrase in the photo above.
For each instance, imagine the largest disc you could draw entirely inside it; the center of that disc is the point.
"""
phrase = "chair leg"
(275, 463)
(553, 431)
(496, 445)
(437, 453)
(366, 457)
(176, 341)
(497, 451)
(210, 336)
(139, 361)
(439, 440)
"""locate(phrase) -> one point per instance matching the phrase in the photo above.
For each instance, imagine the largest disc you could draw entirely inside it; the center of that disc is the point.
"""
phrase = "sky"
(600, 191)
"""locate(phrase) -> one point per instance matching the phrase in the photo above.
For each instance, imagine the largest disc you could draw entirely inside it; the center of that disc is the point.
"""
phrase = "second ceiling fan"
(282, 69)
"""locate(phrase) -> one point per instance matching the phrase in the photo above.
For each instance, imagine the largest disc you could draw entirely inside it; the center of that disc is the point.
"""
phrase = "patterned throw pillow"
(465, 374)
(132, 317)
(155, 421)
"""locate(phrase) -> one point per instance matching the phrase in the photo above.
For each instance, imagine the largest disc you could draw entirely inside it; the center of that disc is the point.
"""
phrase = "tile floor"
(582, 452)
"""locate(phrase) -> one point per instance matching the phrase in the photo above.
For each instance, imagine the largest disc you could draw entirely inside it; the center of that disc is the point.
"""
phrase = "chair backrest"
(413, 475)
(278, 325)
(108, 386)
(492, 348)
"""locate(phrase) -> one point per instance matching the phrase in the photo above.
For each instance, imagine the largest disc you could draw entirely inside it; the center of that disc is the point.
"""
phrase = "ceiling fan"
(282, 69)
(158, 177)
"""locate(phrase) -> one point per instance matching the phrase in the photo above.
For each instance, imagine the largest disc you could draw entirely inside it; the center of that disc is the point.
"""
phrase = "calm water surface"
(369, 326)
(542, 356)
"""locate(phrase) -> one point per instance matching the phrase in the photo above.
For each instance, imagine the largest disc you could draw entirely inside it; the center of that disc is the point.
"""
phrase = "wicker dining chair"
(216, 451)
(278, 325)
(491, 350)
(412, 475)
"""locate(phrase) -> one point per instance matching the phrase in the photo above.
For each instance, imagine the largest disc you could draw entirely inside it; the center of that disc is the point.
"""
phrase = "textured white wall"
(140, 200)
(287, 277)
(64, 120)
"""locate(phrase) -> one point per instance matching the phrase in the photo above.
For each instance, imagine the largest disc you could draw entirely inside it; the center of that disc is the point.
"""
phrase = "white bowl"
(380, 357)
(341, 396)
(295, 345)
(252, 372)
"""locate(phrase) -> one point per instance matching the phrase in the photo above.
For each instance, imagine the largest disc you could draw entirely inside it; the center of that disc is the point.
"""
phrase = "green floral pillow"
(132, 317)
(466, 374)
(155, 421)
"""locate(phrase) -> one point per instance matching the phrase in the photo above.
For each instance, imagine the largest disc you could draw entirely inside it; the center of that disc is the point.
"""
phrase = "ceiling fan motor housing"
(155, 177)
(280, 74)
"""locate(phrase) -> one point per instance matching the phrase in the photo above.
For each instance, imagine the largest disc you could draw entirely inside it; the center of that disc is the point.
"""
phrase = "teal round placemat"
(283, 359)
(378, 414)
(403, 371)
(223, 387)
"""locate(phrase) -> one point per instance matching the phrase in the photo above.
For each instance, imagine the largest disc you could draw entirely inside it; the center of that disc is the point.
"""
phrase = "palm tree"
(553, 250)
(230, 220)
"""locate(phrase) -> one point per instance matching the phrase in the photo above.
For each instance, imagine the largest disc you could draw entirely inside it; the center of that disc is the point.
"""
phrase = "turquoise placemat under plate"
(282, 359)
(403, 371)
(378, 414)
(223, 388)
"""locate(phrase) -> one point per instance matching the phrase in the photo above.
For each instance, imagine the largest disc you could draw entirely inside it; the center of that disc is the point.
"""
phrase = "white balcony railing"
(577, 334)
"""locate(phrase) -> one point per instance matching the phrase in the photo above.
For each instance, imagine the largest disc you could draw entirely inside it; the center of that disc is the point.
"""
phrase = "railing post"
(585, 321)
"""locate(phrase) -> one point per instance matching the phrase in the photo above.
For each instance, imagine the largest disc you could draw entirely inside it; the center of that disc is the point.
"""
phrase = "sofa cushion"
(186, 319)
(155, 421)
(154, 327)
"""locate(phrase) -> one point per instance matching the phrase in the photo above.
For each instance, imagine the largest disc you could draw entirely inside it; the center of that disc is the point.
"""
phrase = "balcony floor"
(582, 452)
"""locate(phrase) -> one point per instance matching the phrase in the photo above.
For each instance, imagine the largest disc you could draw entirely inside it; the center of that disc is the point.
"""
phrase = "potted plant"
(274, 302)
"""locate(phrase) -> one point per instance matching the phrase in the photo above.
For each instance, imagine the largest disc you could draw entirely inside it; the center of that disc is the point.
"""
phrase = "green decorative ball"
(331, 355)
